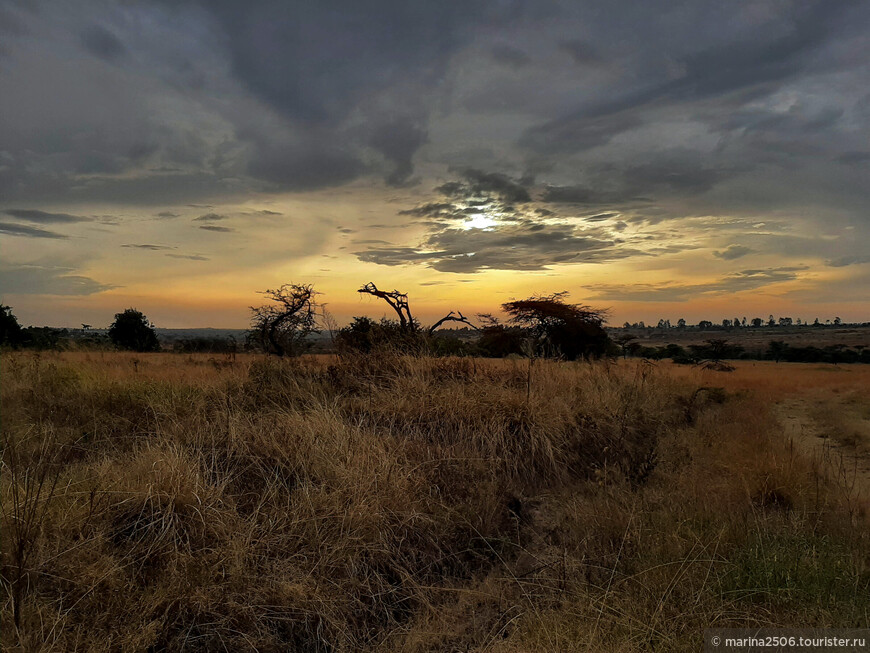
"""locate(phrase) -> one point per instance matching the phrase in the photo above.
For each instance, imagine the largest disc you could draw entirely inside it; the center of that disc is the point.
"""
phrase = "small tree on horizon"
(280, 328)
(131, 330)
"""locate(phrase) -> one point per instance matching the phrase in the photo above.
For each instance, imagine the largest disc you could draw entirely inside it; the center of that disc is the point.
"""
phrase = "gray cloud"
(46, 280)
(735, 282)
(480, 184)
(210, 217)
(733, 252)
(844, 261)
(514, 247)
(189, 257)
(29, 232)
(102, 43)
(398, 140)
(509, 55)
(213, 227)
(148, 246)
(42, 217)
(689, 109)
(581, 52)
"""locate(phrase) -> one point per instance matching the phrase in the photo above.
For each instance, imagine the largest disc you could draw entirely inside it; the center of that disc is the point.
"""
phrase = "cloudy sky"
(700, 159)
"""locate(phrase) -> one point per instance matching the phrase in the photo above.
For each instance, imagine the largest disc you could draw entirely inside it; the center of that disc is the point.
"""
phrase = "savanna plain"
(402, 503)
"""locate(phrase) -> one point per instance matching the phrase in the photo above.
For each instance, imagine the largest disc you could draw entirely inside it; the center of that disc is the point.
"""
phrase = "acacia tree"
(281, 327)
(559, 328)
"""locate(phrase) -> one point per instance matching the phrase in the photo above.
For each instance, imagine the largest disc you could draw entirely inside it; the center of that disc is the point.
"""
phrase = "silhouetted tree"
(398, 301)
(623, 341)
(681, 323)
(757, 322)
(705, 324)
(559, 328)
(10, 330)
(282, 327)
(132, 330)
(498, 340)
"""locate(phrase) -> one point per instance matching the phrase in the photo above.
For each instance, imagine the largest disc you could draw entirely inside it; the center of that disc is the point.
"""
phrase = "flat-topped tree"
(567, 330)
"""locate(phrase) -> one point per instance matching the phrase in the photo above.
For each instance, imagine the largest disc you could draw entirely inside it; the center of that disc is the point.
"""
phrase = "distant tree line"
(736, 323)
(541, 325)
(777, 350)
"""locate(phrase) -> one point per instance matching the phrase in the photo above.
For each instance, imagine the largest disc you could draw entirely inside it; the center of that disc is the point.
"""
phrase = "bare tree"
(398, 301)
(452, 316)
(280, 328)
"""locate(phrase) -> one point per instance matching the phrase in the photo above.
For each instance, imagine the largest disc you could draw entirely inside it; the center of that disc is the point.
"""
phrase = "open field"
(756, 339)
(386, 503)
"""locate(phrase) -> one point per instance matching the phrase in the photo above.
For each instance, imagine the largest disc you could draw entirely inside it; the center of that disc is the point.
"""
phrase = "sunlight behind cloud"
(479, 221)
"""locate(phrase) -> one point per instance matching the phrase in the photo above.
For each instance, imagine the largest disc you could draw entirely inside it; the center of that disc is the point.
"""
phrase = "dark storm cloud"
(317, 62)
(46, 280)
(696, 108)
(480, 184)
(748, 62)
(102, 43)
(42, 217)
(398, 140)
(29, 232)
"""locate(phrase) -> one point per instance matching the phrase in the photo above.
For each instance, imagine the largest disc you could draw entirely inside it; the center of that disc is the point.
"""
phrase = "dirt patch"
(844, 458)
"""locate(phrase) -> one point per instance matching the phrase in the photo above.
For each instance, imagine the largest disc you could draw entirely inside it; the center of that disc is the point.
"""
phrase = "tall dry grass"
(396, 503)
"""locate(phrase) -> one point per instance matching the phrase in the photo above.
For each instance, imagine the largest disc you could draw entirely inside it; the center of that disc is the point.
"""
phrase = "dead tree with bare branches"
(452, 316)
(398, 301)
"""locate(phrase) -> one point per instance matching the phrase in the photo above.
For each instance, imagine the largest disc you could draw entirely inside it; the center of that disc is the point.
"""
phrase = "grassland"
(167, 502)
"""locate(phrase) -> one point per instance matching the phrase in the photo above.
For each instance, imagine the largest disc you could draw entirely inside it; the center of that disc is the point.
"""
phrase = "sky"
(697, 159)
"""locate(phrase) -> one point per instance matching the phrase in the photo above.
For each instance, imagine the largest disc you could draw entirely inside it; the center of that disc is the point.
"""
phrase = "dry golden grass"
(393, 503)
